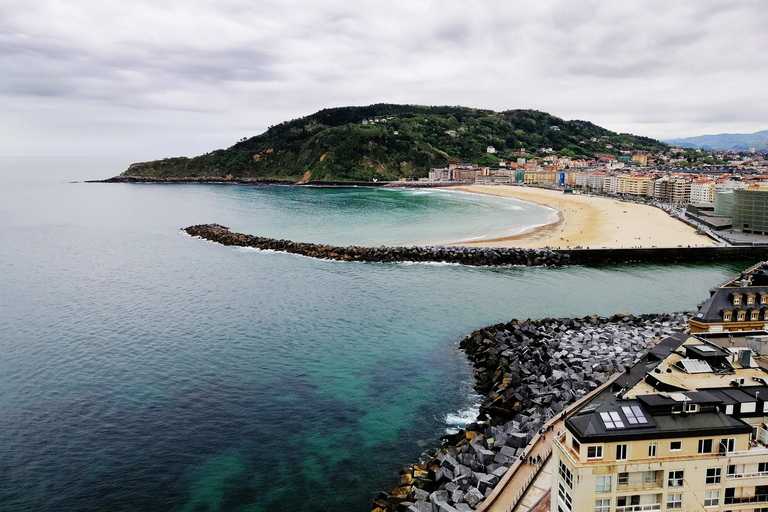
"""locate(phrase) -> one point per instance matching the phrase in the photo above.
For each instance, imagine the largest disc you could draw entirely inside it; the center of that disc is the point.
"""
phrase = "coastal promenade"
(516, 481)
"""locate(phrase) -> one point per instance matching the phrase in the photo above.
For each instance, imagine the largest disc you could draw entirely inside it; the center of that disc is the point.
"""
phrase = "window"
(603, 484)
(736, 300)
(713, 476)
(675, 479)
(764, 299)
(762, 467)
(623, 479)
(740, 317)
(566, 474)
(674, 501)
(705, 446)
(652, 450)
(675, 446)
(621, 452)
(690, 407)
(623, 501)
(565, 498)
(750, 299)
(575, 444)
(727, 445)
(753, 315)
(602, 505)
(649, 477)
(711, 498)
(727, 316)
(594, 452)
(731, 469)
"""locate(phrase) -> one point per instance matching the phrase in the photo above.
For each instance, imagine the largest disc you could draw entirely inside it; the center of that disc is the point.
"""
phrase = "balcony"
(648, 507)
(640, 485)
(758, 498)
(755, 474)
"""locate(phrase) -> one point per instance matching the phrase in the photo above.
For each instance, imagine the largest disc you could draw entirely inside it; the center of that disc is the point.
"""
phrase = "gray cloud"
(157, 78)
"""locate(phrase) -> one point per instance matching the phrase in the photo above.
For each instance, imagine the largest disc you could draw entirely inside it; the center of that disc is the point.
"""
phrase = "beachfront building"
(750, 211)
(702, 191)
(633, 185)
(672, 190)
(739, 304)
(681, 430)
(590, 180)
(540, 176)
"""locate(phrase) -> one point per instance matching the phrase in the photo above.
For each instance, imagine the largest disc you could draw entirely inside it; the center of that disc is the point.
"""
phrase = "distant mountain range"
(724, 141)
(388, 142)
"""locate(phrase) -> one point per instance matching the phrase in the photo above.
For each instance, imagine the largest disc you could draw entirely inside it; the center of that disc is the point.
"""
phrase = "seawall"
(527, 371)
(483, 256)
(594, 257)
(461, 255)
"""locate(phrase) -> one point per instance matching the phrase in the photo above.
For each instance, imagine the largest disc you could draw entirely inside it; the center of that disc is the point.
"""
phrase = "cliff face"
(388, 142)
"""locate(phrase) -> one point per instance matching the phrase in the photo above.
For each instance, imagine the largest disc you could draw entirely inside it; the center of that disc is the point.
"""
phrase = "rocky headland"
(527, 372)
(475, 256)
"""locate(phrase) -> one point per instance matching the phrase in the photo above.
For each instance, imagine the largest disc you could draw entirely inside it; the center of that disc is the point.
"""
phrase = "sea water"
(143, 369)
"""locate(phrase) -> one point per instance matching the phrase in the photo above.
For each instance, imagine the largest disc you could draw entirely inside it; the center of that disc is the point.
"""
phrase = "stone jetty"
(461, 255)
(527, 372)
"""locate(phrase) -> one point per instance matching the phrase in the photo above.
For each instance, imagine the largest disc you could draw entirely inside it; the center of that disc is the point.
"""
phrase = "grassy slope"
(332, 144)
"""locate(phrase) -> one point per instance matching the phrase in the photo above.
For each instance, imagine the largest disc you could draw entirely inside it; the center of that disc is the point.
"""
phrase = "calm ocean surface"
(145, 370)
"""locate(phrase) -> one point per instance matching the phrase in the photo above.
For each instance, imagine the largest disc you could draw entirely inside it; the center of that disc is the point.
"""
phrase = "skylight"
(695, 366)
(612, 419)
(634, 415)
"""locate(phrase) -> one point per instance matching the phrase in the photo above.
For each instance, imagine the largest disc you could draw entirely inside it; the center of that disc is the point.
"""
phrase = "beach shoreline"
(589, 222)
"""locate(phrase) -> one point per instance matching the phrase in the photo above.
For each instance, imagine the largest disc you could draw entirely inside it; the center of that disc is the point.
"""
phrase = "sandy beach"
(589, 221)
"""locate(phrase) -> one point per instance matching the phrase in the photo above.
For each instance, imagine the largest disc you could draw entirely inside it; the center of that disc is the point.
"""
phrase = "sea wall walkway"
(513, 485)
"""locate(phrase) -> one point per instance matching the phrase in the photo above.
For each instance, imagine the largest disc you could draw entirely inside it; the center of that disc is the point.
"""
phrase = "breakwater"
(462, 255)
(483, 256)
(527, 372)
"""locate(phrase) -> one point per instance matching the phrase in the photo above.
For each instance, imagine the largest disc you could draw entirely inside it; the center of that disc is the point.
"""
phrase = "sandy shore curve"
(589, 221)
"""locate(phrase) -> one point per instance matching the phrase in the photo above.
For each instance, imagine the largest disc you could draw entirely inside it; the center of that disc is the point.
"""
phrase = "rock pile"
(527, 371)
(479, 256)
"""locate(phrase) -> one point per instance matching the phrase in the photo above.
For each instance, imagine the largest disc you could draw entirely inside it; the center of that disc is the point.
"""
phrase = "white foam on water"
(460, 418)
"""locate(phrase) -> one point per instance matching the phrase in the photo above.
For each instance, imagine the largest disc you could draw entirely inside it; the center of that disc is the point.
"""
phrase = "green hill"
(389, 142)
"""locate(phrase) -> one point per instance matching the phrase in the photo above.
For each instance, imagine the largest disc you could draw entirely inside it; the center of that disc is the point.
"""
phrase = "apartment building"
(672, 190)
(634, 185)
(702, 192)
(681, 430)
(739, 304)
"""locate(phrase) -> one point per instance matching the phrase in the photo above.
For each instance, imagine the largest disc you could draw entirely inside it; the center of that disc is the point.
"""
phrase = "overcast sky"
(149, 79)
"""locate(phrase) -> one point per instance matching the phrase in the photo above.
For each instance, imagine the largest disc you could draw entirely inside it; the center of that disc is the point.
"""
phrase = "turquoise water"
(146, 370)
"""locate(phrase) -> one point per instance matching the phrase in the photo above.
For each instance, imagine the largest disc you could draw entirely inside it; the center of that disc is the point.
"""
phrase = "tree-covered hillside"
(390, 142)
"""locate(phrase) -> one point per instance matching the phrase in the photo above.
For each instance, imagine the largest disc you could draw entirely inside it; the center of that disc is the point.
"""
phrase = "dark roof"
(587, 425)
(589, 428)
(655, 356)
(704, 352)
(722, 298)
(732, 396)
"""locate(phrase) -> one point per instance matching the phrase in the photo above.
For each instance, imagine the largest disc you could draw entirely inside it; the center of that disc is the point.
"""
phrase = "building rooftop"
(688, 385)
(753, 281)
